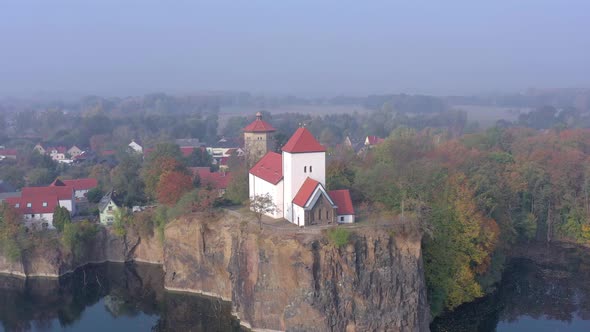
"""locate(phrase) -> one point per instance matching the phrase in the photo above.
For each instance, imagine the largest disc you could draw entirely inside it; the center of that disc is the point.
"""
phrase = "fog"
(292, 47)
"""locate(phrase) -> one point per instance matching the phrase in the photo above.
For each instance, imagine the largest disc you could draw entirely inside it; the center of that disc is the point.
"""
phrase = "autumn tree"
(172, 185)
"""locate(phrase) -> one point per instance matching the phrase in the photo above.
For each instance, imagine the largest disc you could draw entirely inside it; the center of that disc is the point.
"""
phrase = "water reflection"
(116, 297)
(550, 294)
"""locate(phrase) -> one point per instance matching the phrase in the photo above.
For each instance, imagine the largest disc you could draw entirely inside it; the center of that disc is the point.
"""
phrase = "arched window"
(327, 216)
(310, 169)
(304, 169)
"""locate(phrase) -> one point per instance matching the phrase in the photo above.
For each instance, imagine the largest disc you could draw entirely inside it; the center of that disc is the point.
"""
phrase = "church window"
(310, 169)
(320, 214)
(327, 215)
(304, 169)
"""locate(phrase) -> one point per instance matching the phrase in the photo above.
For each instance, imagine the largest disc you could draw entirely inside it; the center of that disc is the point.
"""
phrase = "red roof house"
(373, 140)
(342, 200)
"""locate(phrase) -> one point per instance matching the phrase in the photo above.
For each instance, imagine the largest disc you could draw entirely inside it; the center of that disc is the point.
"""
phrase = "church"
(296, 178)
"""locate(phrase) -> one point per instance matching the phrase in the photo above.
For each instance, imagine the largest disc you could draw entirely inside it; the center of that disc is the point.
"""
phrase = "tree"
(61, 217)
(94, 195)
(171, 186)
(40, 176)
(199, 158)
(261, 205)
(11, 232)
(152, 173)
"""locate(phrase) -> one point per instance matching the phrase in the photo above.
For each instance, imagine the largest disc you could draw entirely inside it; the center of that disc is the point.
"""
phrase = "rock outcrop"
(297, 280)
(277, 279)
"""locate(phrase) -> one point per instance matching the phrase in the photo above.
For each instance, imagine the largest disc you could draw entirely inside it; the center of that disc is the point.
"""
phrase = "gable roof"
(61, 192)
(217, 180)
(106, 199)
(37, 202)
(303, 141)
(82, 184)
(342, 200)
(8, 152)
(269, 168)
(373, 140)
(305, 192)
(259, 126)
(57, 183)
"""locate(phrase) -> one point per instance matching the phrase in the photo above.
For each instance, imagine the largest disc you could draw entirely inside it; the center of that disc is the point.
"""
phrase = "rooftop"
(303, 141)
(269, 168)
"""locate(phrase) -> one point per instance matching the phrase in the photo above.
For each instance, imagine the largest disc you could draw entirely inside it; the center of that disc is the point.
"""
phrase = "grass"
(339, 237)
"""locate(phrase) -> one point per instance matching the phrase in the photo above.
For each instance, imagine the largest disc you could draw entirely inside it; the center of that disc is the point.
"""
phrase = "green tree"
(61, 217)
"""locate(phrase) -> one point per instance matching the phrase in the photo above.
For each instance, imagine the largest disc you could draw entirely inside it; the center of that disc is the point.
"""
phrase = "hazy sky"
(292, 47)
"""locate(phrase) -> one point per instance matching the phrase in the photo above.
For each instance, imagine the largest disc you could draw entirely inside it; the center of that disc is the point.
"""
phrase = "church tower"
(303, 157)
(258, 139)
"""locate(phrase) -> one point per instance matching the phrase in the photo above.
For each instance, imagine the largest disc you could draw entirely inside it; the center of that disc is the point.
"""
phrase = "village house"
(58, 153)
(212, 180)
(36, 204)
(8, 154)
(80, 186)
(107, 208)
(296, 182)
(74, 152)
(39, 148)
(135, 147)
(373, 140)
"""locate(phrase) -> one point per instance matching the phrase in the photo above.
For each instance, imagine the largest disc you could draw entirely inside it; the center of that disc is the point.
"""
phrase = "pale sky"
(119, 47)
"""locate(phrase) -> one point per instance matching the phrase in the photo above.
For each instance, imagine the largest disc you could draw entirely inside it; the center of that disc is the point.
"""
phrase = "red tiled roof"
(342, 199)
(269, 168)
(36, 203)
(217, 180)
(305, 192)
(187, 150)
(82, 184)
(62, 193)
(57, 183)
(374, 140)
(259, 126)
(303, 141)
(8, 152)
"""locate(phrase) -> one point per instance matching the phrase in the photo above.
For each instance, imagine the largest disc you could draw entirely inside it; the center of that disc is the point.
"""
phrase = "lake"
(549, 291)
(108, 297)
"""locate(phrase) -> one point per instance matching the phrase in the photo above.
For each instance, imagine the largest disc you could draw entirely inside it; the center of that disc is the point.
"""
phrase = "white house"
(134, 146)
(36, 204)
(296, 181)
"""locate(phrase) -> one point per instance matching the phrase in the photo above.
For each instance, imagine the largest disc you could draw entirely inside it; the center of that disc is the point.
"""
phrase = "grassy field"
(488, 115)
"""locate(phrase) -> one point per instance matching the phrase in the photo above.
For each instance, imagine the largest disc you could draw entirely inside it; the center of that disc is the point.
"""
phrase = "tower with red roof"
(258, 139)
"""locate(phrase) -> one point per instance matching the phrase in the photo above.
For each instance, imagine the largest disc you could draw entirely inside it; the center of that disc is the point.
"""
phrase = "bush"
(339, 237)
(76, 237)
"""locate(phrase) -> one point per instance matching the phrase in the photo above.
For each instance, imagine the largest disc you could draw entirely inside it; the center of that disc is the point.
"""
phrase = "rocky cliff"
(297, 280)
(276, 279)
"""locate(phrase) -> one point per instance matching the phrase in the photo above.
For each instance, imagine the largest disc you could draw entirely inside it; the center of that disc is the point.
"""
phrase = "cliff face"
(50, 260)
(298, 281)
(276, 279)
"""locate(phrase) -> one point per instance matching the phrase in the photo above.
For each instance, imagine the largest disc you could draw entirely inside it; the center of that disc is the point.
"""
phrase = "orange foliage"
(172, 185)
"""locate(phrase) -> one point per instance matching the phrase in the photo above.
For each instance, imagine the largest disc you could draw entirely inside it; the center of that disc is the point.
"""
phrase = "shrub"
(339, 237)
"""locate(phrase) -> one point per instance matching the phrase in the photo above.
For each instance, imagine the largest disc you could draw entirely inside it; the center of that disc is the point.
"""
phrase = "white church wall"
(298, 215)
(296, 168)
(259, 186)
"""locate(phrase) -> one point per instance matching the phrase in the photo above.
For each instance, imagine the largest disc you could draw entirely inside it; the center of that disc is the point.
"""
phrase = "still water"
(108, 297)
(549, 294)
